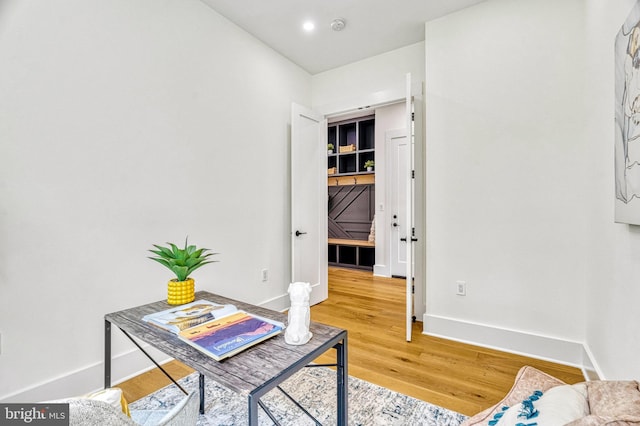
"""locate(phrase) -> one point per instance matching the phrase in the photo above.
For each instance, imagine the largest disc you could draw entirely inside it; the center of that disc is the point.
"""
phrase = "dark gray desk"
(253, 372)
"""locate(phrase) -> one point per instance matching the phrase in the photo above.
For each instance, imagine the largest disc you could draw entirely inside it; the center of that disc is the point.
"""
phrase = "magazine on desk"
(219, 331)
(226, 336)
(184, 316)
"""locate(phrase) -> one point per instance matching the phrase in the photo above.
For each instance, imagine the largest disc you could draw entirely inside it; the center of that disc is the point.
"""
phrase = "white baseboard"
(278, 303)
(89, 378)
(512, 341)
(381, 271)
(590, 367)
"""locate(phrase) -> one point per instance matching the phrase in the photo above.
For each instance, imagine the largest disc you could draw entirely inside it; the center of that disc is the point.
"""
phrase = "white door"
(396, 146)
(401, 229)
(309, 201)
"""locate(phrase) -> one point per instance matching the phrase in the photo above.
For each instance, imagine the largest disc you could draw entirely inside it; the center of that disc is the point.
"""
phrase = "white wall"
(372, 81)
(613, 258)
(506, 169)
(520, 183)
(126, 124)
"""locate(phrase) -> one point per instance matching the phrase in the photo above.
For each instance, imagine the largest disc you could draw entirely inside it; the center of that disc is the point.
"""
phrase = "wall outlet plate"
(461, 288)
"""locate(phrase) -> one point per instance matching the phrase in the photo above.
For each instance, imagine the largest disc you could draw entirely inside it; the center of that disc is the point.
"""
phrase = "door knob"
(298, 233)
(394, 224)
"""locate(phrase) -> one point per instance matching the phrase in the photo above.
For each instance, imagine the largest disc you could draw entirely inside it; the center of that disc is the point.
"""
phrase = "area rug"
(315, 389)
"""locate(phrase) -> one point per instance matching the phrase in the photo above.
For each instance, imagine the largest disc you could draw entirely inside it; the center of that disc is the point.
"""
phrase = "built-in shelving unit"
(354, 144)
(351, 193)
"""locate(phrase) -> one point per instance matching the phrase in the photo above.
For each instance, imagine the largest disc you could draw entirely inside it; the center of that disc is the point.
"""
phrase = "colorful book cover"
(224, 337)
(185, 316)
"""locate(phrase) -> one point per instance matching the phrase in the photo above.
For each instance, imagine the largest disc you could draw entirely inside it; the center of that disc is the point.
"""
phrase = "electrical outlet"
(265, 275)
(461, 288)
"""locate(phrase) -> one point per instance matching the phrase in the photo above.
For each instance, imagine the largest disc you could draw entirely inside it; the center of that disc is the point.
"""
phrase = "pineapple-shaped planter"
(182, 262)
(181, 292)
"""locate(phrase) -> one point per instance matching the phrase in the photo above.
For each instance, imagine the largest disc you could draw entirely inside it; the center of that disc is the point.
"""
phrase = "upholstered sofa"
(540, 399)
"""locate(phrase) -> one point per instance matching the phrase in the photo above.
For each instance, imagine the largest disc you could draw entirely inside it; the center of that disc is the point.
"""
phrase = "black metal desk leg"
(343, 382)
(107, 354)
(253, 410)
(201, 382)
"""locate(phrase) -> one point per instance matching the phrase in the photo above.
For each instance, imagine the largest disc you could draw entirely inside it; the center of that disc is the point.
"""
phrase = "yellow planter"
(181, 292)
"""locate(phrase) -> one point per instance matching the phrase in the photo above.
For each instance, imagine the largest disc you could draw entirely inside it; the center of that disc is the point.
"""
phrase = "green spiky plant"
(182, 261)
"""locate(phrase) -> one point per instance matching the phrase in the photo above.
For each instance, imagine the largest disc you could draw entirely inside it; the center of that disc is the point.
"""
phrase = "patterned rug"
(314, 389)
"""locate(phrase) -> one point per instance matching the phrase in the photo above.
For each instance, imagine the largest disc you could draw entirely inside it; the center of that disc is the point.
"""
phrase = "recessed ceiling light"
(308, 26)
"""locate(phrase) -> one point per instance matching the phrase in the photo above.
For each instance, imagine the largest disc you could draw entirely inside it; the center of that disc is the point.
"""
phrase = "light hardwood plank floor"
(461, 377)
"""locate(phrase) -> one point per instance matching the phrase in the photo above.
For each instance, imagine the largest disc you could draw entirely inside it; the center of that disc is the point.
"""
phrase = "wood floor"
(461, 377)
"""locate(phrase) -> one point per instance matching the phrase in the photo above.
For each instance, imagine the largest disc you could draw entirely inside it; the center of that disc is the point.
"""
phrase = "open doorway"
(363, 206)
(367, 214)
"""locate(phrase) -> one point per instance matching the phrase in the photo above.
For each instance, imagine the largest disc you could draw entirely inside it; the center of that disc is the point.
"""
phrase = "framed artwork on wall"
(627, 120)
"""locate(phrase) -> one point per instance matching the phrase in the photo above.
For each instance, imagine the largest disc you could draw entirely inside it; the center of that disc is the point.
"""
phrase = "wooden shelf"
(357, 179)
(357, 243)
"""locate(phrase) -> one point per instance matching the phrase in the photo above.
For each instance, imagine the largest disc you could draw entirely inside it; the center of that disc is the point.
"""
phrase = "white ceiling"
(373, 26)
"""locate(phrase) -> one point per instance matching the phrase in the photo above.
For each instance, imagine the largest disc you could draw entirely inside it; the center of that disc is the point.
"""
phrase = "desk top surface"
(244, 372)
